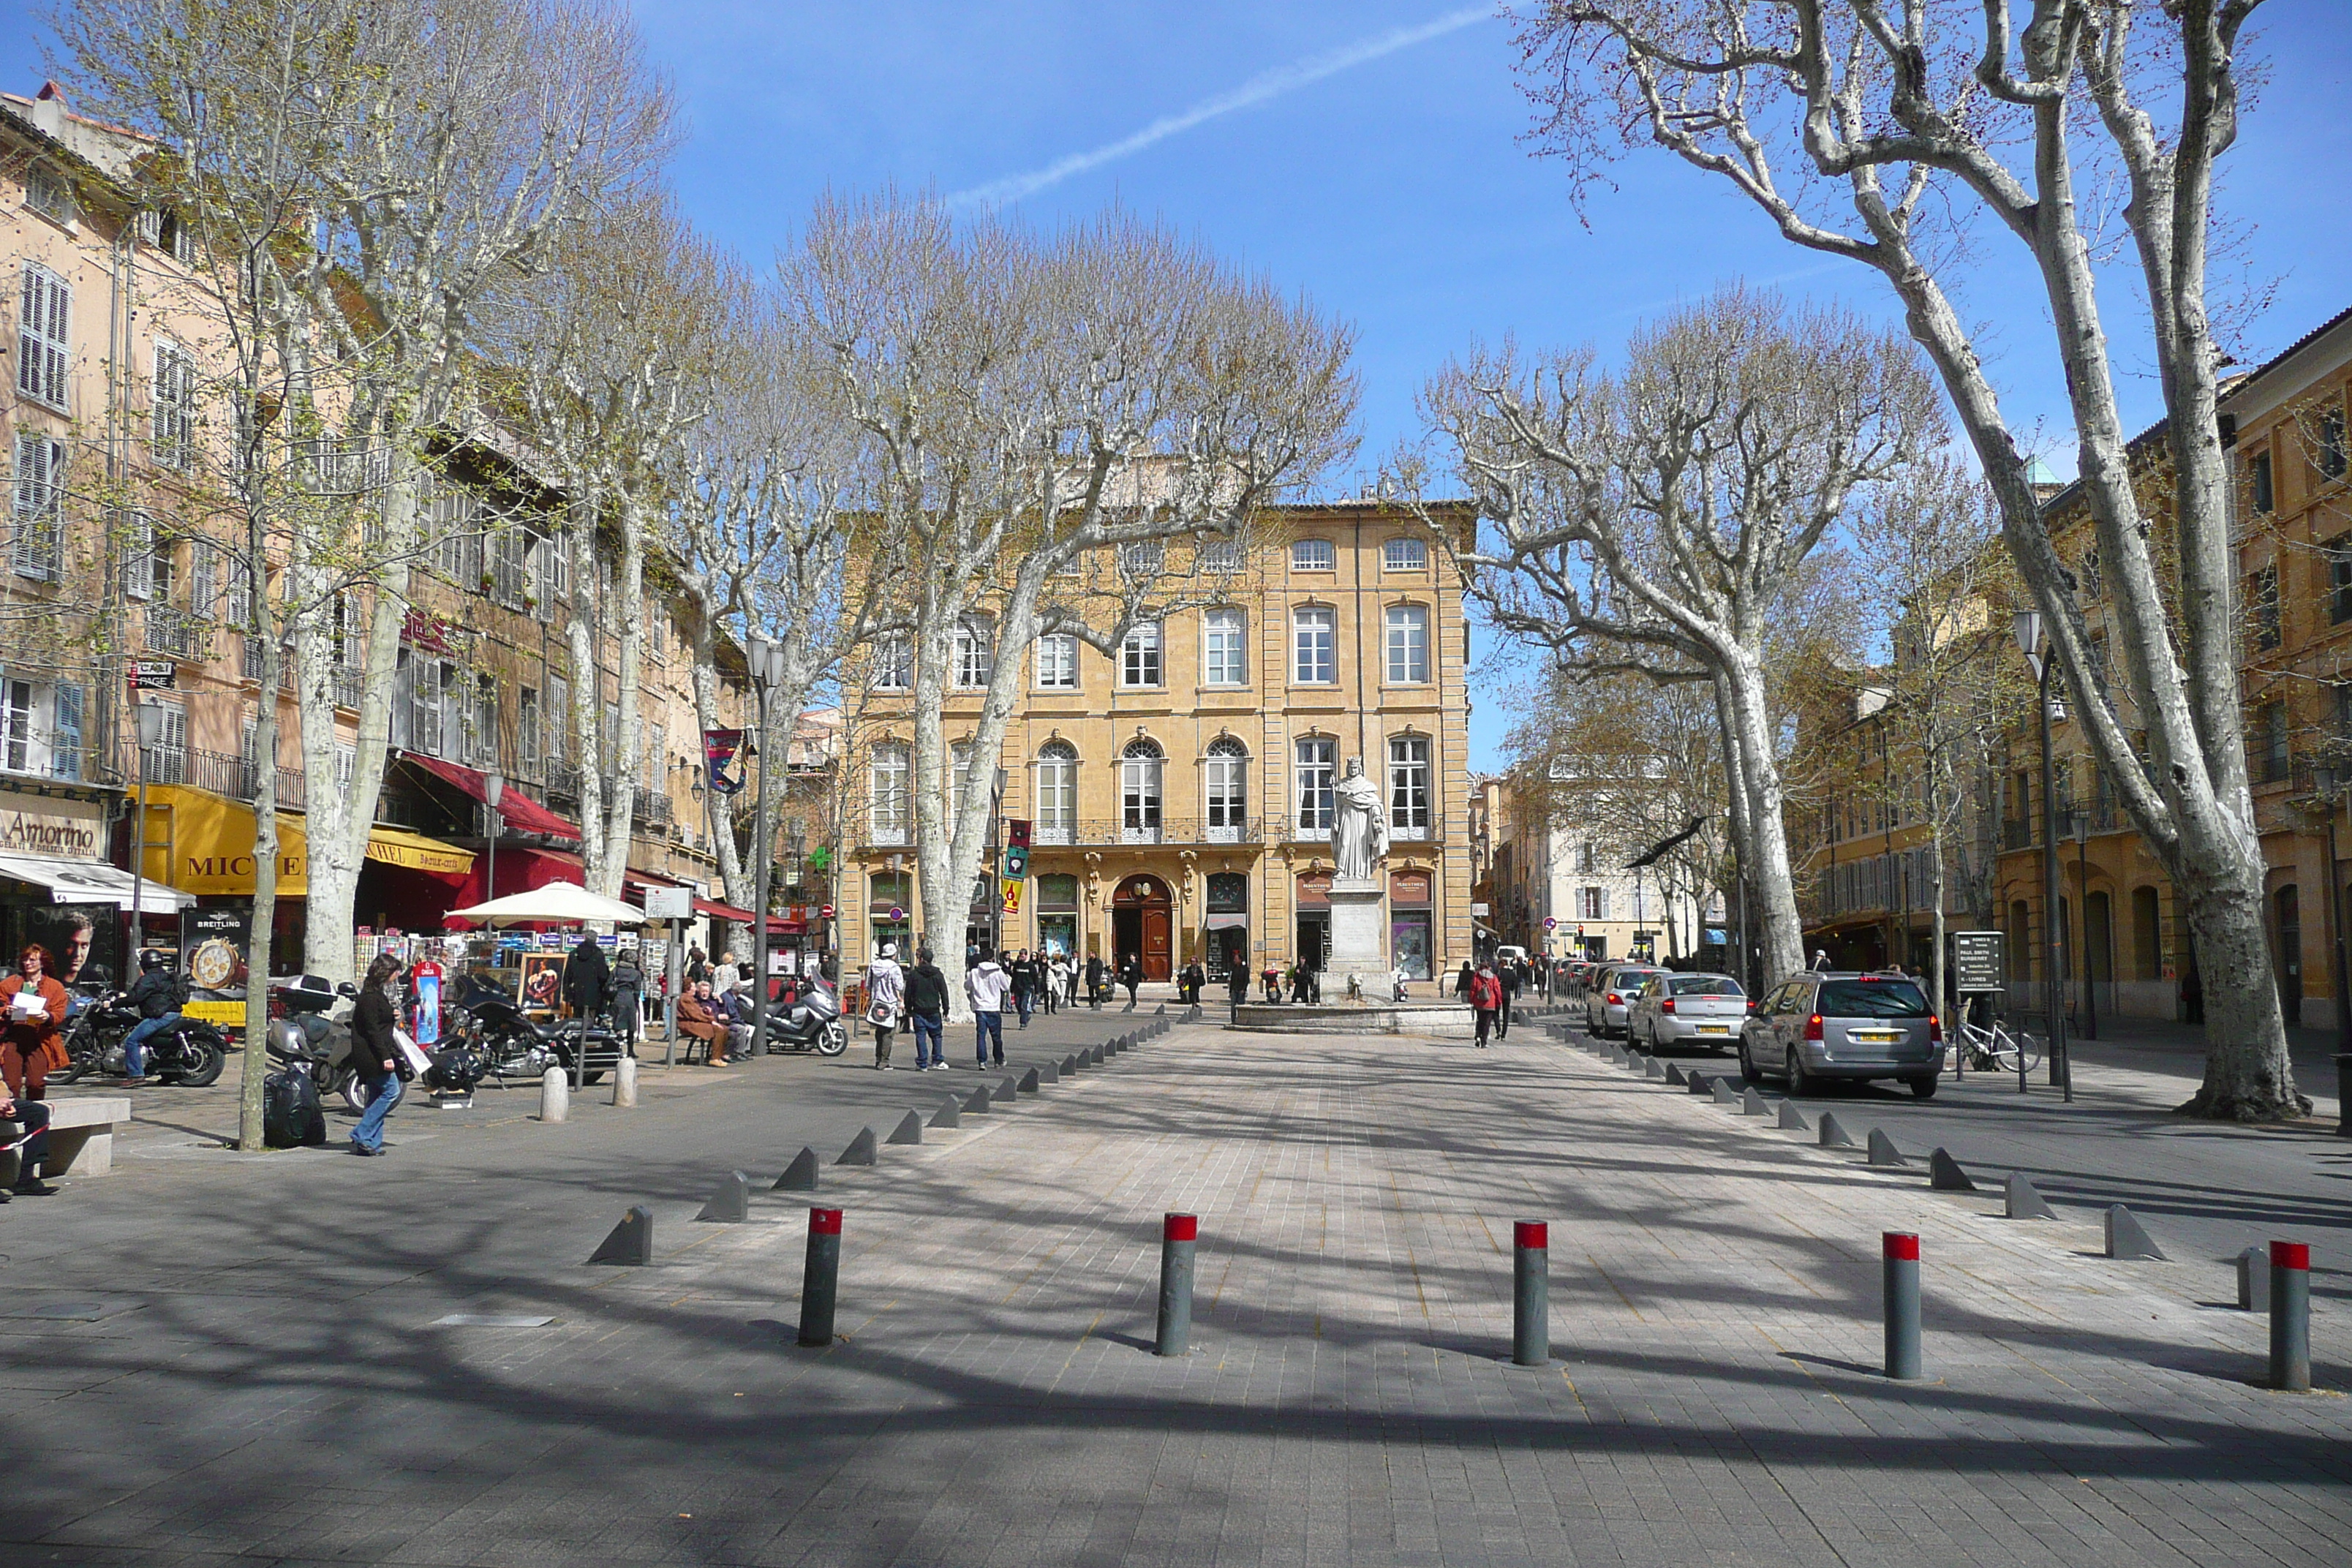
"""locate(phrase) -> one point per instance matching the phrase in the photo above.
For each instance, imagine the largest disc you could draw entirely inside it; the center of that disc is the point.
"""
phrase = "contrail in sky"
(1257, 90)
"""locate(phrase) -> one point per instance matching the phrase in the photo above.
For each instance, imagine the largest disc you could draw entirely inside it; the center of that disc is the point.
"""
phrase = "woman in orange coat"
(32, 1043)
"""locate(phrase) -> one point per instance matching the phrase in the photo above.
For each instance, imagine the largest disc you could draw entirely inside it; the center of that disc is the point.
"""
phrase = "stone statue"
(1359, 826)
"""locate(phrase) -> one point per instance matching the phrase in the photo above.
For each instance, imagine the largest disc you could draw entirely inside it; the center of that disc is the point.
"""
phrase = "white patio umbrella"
(558, 903)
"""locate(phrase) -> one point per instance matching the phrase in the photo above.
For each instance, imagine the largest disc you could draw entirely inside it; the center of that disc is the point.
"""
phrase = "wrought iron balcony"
(179, 634)
(651, 808)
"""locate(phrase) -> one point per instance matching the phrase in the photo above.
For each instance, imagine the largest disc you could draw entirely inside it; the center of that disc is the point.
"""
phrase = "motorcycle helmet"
(151, 958)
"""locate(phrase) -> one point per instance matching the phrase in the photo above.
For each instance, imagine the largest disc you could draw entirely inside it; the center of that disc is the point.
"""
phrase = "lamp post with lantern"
(2027, 624)
(494, 789)
(150, 716)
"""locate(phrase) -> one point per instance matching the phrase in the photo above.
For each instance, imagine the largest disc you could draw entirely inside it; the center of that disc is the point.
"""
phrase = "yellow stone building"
(1180, 795)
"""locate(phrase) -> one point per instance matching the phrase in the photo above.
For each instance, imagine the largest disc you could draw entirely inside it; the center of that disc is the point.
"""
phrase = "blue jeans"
(369, 1133)
(1025, 1002)
(985, 1027)
(134, 1044)
(927, 1050)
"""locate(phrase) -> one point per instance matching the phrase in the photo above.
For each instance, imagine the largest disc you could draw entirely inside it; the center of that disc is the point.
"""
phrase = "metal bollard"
(1178, 1233)
(554, 1095)
(625, 1082)
(1902, 1265)
(2291, 1316)
(1531, 1293)
(820, 1278)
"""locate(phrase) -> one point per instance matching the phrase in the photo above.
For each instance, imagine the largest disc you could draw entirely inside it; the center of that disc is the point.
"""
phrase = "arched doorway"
(1141, 922)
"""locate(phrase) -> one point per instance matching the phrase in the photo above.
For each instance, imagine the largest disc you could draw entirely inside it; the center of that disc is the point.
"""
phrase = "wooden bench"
(81, 1135)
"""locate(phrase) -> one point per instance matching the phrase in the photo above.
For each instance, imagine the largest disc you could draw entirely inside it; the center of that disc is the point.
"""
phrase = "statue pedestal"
(1359, 943)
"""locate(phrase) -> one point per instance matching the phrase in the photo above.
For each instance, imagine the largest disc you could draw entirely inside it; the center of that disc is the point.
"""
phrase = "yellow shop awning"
(203, 843)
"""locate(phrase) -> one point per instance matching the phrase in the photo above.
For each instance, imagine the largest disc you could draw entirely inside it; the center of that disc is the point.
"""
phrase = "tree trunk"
(721, 807)
(1770, 884)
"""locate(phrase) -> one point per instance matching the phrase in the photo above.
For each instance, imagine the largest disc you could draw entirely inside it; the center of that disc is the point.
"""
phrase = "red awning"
(777, 924)
(521, 812)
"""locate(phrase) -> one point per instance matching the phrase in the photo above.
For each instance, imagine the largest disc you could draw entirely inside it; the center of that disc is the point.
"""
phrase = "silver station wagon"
(1689, 1009)
(1827, 1024)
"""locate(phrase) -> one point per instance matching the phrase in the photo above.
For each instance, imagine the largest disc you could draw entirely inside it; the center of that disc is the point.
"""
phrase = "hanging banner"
(720, 751)
(1011, 887)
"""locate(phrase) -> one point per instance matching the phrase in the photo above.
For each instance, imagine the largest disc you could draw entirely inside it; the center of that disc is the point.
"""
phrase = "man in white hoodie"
(886, 989)
(987, 985)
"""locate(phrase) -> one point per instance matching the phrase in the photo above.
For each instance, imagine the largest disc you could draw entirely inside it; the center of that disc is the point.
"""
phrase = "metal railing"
(177, 633)
(2017, 833)
(651, 807)
(237, 777)
(1142, 829)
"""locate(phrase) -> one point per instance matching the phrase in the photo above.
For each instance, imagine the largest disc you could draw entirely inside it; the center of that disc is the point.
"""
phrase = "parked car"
(1689, 1009)
(1611, 993)
(1839, 1023)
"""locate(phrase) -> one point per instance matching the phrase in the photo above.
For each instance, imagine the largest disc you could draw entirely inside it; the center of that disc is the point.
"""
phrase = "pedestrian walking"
(927, 1011)
(1510, 979)
(586, 976)
(698, 966)
(1024, 984)
(626, 984)
(1461, 981)
(1237, 985)
(885, 988)
(1486, 994)
(1130, 975)
(1095, 980)
(375, 1055)
(986, 984)
(1066, 968)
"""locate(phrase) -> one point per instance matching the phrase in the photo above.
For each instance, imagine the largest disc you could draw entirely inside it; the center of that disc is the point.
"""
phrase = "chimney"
(50, 110)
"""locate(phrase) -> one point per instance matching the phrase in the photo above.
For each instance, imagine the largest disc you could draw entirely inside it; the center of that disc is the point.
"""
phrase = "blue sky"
(1396, 190)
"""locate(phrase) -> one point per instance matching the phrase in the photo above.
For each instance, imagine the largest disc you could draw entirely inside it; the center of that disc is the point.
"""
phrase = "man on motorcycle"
(156, 994)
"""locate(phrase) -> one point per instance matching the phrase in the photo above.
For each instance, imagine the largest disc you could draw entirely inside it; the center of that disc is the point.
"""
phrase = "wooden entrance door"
(1142, 906)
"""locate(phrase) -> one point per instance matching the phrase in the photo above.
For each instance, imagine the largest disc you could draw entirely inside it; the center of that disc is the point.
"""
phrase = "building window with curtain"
(889, 795)
(1316, 759)
(1408, 644)
(975, 654)
(1313, 630)
(1139, 655)
(1057, 662)
(1225, 788)
(1057, 793)
(1141, 766)
(1408, 787)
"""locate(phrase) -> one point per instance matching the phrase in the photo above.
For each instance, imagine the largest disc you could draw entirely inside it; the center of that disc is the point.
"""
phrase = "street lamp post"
(494, 789)
(995, 861)
(2027, 624)
(2082, 826)
(767, 660)
(151, 733)
(2331, 786)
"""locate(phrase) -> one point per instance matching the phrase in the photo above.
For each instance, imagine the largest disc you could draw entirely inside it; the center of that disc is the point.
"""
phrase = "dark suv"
(1843, 1024)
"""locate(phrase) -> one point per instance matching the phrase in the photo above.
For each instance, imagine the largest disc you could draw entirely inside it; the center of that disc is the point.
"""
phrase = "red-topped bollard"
(1531, 1293)
(2291, 1316)
(1178, 1233)
(1902, 1289)
(820, 1279)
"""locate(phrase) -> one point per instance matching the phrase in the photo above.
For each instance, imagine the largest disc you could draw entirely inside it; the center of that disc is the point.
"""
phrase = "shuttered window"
(174, 406)
(65, 743)
(37, 546)
(45, 352)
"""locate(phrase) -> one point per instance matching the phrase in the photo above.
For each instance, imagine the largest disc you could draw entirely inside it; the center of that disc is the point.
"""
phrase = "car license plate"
(1875, 1037)
(1715, 1028)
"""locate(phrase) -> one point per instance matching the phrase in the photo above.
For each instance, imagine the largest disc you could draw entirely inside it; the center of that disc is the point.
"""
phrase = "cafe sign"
(65, 828)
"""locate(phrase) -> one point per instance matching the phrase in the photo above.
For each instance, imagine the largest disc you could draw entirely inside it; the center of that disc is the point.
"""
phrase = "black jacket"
(585, 978)
(372, 1018)
(927, 991)
(156, 994)
(626, 978)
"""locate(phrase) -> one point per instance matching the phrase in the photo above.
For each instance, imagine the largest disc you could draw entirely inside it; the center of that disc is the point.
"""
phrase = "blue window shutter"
(65, 743)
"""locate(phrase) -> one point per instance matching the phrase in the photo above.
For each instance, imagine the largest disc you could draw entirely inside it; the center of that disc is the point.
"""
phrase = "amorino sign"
(43, 825)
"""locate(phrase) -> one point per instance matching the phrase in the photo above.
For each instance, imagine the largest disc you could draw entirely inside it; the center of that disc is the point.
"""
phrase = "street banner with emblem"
(720, 751)
(1011, 887)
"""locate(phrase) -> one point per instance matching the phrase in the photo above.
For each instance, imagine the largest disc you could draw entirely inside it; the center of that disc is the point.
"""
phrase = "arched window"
(1140, 770)
(1409, 786)
(1316, 756)
(1224, 790)
(889, 793)
(1057, 793)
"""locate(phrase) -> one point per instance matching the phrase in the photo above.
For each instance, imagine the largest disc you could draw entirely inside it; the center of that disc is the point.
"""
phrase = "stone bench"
(81, 1134)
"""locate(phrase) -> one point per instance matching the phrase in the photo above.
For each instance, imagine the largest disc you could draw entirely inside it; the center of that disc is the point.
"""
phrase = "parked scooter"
(190, 1053)
(307, 1037)
(810, 1021)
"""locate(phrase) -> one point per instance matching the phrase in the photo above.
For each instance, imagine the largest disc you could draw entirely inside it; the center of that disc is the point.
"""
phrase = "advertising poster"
(542, 981)
(84, 940)
(213, 948)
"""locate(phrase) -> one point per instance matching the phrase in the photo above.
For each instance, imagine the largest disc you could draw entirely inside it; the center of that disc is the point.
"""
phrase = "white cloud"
(1259, 88)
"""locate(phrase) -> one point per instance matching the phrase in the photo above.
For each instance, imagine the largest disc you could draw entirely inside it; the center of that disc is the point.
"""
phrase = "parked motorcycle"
(512, 1044)
(309, 1037)
(811, 1022)
(190, 1053)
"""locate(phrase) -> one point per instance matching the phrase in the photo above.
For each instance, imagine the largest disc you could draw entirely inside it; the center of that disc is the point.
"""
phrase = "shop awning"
(203, 843)
(72, 881)
(777, 924)
(521, 812)
(1228, 922)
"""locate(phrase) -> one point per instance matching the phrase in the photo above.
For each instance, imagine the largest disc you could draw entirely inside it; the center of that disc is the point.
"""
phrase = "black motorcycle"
(510, 1045)
(190, 1053)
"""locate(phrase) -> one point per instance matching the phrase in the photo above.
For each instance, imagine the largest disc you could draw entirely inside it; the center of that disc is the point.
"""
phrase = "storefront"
(890, 896)
(1225, 924)
(1314, 932)
(1057, 914)
(56, 891)
(1408, 923)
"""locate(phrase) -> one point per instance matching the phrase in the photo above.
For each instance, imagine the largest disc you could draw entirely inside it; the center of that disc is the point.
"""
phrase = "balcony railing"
(1431, 832)
(237, 777)
(2017, 833)
(1087, 833)
(253, 650)
(563, 783)
(651, 808)
(177, 633)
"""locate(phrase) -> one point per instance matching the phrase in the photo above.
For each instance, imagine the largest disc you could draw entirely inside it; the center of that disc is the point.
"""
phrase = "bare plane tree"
(1899, 138)
(1660, 520)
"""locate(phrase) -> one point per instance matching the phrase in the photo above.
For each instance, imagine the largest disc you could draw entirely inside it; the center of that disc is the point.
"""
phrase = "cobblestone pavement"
(252, 1373)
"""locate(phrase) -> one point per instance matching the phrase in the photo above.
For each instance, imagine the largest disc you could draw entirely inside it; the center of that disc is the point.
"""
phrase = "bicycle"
(1996, 1048)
